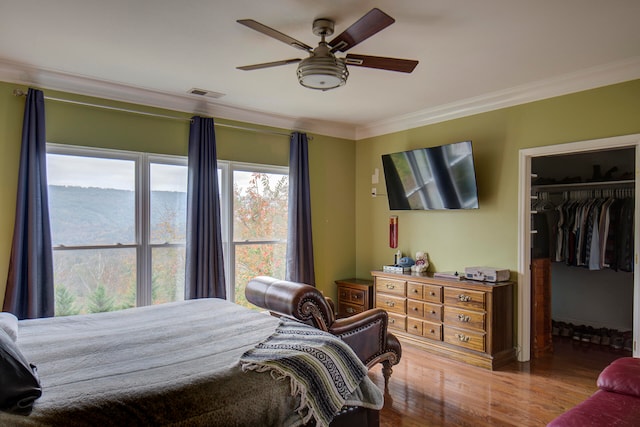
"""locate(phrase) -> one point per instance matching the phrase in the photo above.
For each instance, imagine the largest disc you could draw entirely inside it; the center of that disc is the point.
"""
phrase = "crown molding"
(569, 83)
(591, 78)
(27, 75)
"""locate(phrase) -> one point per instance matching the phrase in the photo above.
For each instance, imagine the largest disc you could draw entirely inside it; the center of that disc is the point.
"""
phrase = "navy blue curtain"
(29, 293)
(204, 275)
(299, 239)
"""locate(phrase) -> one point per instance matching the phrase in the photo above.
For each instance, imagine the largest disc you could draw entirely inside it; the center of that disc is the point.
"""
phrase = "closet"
(582, 278)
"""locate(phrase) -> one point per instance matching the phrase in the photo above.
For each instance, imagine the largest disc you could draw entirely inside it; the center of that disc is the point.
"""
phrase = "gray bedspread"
(171, 364)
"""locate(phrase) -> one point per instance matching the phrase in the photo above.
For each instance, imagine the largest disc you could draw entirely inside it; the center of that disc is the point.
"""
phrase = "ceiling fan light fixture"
(322, 72)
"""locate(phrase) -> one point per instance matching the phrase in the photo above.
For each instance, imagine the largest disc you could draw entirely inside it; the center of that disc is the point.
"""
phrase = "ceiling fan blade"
(261, 28)
(375, 20)
(269, 64)
(380, 62)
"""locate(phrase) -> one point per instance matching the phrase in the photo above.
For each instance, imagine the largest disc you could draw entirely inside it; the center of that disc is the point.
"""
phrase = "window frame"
(229, 245)
(142, 245)
(142, 189)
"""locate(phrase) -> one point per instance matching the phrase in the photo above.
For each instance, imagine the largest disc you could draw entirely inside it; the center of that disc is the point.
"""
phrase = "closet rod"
(599, 185)
(19, 92)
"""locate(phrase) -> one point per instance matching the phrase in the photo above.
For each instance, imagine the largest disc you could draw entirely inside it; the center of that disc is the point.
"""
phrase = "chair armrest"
(366, 333)
(295, 300)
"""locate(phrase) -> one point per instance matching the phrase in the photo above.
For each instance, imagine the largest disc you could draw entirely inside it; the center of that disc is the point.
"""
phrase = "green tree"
(100, 301)
(65, 302)
(260, 219)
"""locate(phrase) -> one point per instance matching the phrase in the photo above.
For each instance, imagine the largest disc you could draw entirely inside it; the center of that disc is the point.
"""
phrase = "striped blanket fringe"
(323, 370)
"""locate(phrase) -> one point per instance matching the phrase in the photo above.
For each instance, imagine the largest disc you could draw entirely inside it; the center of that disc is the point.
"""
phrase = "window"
(259, 228)
(118, 226)
(118, 223)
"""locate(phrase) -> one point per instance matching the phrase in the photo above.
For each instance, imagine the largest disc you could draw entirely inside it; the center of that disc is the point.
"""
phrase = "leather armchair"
(366, 332)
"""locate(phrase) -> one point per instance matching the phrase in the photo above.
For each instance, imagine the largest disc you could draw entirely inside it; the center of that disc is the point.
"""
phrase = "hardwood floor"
(428, 390)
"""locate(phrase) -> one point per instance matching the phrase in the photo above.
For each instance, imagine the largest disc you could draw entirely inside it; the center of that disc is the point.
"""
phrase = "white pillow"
(9, 323)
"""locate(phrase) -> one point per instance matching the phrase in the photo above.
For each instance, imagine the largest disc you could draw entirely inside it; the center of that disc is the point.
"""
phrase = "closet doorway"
(548, 176)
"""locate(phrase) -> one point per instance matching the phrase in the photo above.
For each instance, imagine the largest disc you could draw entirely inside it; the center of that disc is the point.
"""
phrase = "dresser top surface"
(354, 281)
(429, 279)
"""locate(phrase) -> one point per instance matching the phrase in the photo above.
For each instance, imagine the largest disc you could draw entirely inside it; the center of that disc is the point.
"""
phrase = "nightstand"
(354, 296)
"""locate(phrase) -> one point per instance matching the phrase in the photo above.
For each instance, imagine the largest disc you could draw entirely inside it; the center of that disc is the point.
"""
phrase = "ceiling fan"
(322, 70)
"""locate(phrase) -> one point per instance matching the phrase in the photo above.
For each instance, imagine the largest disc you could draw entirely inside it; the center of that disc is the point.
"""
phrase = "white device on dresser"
(486, 274)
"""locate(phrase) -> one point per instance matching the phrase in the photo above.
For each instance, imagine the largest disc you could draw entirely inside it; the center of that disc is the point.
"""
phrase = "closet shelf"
(584, 185)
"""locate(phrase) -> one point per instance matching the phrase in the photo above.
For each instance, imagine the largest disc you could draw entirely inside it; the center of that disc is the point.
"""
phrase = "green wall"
(486, 236)
(331, 162)
(350, 227)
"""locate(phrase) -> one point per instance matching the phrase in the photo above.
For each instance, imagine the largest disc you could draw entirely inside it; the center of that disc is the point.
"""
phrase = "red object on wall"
(393, 231)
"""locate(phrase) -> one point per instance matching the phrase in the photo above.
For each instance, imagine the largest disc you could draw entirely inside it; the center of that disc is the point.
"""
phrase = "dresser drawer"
(397, 321)
(466, 319)
(432, 312)
(464, 338)
(414, 290)
(348, 309)
(391, 303)
(464, 298)
(415, 308)
(432, 330)
(432, 293)
(354, 296)
(343, 294)
(414, 326)
(424, 329)
(390, 286)
(424, 310)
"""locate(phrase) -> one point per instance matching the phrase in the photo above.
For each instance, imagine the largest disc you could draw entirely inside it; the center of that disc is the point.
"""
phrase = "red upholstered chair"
(366, 333)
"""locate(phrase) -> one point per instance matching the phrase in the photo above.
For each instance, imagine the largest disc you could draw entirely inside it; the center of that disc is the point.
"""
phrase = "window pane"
(259, 206)
(91, 200)
(257, 260)
(167, 282)
(168, 203)
(94, 280)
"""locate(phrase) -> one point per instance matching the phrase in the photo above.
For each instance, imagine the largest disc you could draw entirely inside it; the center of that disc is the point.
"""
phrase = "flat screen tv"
(440, 177)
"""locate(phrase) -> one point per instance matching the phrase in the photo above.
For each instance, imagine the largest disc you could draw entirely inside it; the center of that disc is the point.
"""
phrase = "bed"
(178, 364)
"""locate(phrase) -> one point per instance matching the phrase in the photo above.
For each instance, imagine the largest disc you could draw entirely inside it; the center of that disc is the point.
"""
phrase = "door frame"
(524, 231)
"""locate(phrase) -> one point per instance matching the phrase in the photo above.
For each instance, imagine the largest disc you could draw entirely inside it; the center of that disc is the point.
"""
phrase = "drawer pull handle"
(390, 303)
(462, 337)
(356, 296)
(433, 294)
(464, 298)
(392, 320)
(415, 308)
(350, 310)
(433, 331)
(415, 326)
(390, 286)
(433, 312)
(463, 318)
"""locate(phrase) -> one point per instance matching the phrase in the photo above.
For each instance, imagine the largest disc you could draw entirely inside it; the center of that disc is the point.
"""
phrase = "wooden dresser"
(354, 296)
(464, 320)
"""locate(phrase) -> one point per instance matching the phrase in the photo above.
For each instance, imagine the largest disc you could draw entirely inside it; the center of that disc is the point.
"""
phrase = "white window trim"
(227, 206)
(142, 244)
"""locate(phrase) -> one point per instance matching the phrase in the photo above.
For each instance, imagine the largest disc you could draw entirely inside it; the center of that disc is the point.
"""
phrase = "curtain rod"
(19, 92)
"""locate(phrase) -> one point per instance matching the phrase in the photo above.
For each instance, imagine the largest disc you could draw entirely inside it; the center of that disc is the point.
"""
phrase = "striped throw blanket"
(323, 370)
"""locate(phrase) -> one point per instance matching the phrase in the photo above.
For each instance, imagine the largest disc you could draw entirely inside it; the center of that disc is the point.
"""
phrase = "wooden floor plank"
(429, 390)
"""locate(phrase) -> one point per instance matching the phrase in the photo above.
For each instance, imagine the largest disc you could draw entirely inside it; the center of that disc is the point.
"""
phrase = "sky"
(81, 171)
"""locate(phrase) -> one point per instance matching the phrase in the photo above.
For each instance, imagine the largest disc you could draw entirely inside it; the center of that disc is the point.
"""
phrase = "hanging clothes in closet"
(591, 232)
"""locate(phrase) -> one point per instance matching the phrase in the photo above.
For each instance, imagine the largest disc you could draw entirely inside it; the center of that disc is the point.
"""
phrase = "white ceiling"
(474, 55)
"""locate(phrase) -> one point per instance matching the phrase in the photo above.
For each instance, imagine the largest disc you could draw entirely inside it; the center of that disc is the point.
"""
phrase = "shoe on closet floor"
(617, 342)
